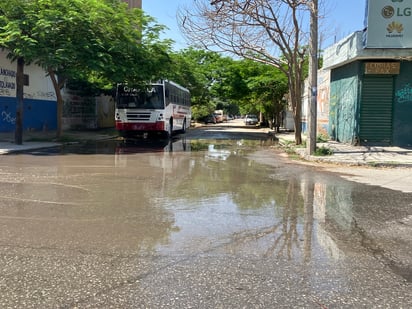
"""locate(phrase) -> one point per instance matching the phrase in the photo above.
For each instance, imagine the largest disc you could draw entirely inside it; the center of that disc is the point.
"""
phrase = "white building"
(39, 111)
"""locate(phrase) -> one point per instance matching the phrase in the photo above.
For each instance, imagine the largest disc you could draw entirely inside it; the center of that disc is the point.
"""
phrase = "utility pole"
(313, 79)
(18, 132)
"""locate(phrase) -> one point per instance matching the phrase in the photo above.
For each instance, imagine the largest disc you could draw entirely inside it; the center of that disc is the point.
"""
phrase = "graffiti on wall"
(404, 95)
(7, 117)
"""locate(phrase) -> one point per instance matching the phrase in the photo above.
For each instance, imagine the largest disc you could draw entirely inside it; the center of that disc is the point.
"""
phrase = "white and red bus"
(162, 107)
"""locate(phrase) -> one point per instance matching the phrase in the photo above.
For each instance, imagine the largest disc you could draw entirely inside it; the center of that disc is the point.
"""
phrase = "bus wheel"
(184, 127)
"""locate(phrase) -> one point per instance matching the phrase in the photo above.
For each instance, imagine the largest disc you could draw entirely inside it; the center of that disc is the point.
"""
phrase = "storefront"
(370, 93)
(371, 78)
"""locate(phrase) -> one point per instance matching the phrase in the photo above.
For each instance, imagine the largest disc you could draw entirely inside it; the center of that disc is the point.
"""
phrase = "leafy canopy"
(99, 40)
(218, 82)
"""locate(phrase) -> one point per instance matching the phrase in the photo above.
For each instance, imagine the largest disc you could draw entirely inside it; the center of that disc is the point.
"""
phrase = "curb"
(367, 157)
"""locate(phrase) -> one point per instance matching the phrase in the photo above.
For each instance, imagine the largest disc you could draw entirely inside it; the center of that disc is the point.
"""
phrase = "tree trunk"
(18, 133)
(296, 101)
(59, 114)
(298, 119)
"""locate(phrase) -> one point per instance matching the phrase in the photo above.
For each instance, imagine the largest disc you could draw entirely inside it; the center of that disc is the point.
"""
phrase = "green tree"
(219, 82)
(96, 40)
(257, 88)
(197, 70)
(13, 34)
(268, 87)
(269, 32)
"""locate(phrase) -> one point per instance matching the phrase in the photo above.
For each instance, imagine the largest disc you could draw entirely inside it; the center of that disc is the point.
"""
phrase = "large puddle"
(189, 197)
(196, 224)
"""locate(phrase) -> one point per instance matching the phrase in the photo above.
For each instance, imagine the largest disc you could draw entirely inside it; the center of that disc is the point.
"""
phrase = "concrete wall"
(86, 112)
(352, 48)
(344, 103)
(134, 3)
(322, 103)
(105, 111)
(402, 106)
(346, 61)
(39, 98)
(40, 106)
(346, 99)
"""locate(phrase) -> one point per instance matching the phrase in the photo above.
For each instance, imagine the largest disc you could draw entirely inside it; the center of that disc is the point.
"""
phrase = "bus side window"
(167, 96)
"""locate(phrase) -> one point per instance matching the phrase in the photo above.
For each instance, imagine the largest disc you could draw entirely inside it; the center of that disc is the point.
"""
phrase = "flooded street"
(197, 222)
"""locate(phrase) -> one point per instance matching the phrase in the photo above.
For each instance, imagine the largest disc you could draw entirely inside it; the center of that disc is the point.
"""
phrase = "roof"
(352, 49)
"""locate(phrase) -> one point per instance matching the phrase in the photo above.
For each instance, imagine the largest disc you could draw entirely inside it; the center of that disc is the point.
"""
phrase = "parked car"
(251, 120)
(219, 115)
(209, 119)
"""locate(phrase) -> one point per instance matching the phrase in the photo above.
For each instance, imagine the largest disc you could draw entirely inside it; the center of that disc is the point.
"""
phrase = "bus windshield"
(152, 98)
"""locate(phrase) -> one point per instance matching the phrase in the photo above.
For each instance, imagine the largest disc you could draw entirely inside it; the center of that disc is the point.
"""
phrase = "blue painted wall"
(37, 115)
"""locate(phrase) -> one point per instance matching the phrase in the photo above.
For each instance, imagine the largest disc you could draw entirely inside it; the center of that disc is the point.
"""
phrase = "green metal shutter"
(376, 109)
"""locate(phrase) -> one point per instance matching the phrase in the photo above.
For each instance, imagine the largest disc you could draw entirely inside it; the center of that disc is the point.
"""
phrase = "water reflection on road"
(195, 198)
(199, 191)
(218, 196)
(213, 192)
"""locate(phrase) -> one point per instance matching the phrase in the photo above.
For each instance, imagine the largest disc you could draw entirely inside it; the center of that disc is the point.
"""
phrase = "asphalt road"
(213, 219)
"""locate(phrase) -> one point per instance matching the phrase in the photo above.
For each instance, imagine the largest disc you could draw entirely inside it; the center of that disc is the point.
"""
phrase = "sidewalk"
(39, 140)
(353, 155)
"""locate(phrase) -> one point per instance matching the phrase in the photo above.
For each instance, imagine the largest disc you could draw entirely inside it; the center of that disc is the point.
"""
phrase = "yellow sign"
(392, 68)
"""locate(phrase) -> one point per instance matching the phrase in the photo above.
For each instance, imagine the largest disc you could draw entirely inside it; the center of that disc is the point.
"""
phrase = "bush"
(322, 138)
(323, 151)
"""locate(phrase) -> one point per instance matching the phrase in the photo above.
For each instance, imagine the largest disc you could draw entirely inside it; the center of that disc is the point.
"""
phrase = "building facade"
(370, 79)
(39, 105)
(323, 99)
(134, 3)
(370, 93)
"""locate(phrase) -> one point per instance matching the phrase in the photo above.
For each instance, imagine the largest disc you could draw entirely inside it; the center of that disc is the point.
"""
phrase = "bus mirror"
(167, 93)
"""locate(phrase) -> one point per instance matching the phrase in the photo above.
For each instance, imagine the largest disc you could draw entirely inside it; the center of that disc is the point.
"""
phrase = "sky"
(342, 17)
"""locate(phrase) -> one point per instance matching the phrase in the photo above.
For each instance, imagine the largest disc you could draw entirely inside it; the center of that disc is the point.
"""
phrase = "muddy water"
(204, 216)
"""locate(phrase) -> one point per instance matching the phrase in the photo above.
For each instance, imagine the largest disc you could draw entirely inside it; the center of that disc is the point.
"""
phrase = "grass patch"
(323, 151)
(322, 138)
(290, 148)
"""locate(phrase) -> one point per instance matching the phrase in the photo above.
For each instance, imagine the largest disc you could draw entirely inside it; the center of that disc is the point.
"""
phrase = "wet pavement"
(38, 139)
(345, 154)
(205, 222)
